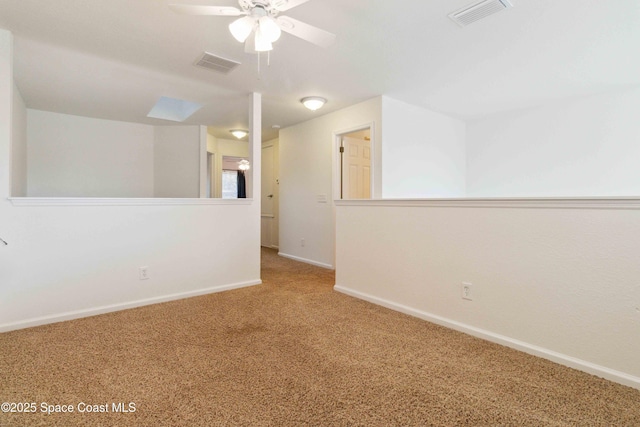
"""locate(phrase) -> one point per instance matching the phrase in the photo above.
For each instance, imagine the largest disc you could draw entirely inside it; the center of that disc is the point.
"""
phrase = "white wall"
(176, 161)
(233, 147)
(69, 261)
(307, 153)
(585, 146)
(212, 143)
(6, 123)
(554, 280)
(73, 260)
(72, 156)
(423, 152)
(19, 145)
(417, 153)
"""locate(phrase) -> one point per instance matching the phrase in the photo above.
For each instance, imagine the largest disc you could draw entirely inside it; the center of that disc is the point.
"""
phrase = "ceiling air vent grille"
(216, 63)
(477, 11)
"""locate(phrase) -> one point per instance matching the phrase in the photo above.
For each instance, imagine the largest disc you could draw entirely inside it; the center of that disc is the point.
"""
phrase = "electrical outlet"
(302, 242)
(144, 273)
(467, 291)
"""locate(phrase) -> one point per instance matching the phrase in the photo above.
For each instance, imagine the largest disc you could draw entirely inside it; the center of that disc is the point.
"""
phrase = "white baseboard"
(38, 321)
(307, 261)
(562, 359)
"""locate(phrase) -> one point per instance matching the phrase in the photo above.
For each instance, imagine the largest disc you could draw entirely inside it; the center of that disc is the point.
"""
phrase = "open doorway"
(211, 175)
(354, 164)
(270, 196)
(233, 177)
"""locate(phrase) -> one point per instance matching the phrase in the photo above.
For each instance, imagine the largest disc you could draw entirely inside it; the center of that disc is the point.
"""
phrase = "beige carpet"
(286, 353)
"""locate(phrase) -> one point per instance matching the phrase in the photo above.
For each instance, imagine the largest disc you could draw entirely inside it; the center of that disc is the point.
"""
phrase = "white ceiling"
(114, 59)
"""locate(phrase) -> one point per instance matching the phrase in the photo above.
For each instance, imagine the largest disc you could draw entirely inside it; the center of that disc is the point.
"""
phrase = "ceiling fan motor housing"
(261, 7)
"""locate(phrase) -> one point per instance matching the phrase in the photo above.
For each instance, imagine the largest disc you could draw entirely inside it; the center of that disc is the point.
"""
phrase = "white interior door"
(356, 168)
(268, 196)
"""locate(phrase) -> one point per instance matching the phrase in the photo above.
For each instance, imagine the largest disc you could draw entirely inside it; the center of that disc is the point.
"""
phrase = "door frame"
(337, 164)
(211, 175)
(274, 217)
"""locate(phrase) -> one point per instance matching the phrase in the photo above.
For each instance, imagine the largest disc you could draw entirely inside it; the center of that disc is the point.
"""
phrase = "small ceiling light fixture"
(313, 103)
(239, 133)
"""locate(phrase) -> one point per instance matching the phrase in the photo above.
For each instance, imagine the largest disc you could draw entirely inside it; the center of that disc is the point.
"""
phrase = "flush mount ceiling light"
(260, 26)
(239, 133)
(313, 103)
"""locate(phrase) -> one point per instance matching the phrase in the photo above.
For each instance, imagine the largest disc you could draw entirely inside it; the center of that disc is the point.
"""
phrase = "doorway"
(354, 151)
(269, 202)
(233, 179)
(211, 175)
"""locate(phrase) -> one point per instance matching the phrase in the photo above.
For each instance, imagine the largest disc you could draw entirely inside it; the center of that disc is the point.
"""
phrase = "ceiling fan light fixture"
(269, 28)
(239, 133)
(313, 103)
(262, 16)
(262, 43)
(241, 28)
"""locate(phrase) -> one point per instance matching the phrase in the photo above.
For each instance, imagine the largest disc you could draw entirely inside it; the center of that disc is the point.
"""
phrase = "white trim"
(37, 321)
(306, 261)
(562, 359)
(115, 201)
(352, 129)
(522, 203)
(254, 180)
(203, 162)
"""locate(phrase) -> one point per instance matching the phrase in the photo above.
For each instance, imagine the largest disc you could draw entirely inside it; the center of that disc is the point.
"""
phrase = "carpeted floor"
(286, 353)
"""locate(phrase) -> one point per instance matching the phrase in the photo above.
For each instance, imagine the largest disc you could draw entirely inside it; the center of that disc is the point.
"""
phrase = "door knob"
(270, 196)
(2, 240)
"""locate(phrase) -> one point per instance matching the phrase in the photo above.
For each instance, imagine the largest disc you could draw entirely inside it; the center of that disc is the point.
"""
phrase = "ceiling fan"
(261, 19)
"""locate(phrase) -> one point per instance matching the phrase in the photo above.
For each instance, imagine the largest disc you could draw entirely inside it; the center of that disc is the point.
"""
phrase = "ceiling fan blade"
(306, 32)
(206, 10)
(283, 5)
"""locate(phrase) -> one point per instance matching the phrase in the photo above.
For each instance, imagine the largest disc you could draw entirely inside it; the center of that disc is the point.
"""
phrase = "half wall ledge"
(503, 202)
(115, 201)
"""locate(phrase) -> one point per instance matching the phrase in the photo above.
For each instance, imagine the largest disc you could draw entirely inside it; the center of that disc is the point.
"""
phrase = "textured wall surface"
(560, 279)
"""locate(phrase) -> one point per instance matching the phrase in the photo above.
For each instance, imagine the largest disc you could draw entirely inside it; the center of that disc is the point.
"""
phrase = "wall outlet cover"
(467, 291)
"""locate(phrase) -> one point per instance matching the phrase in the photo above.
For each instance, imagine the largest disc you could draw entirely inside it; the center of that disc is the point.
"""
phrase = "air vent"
(216, 63)
(477, 11)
